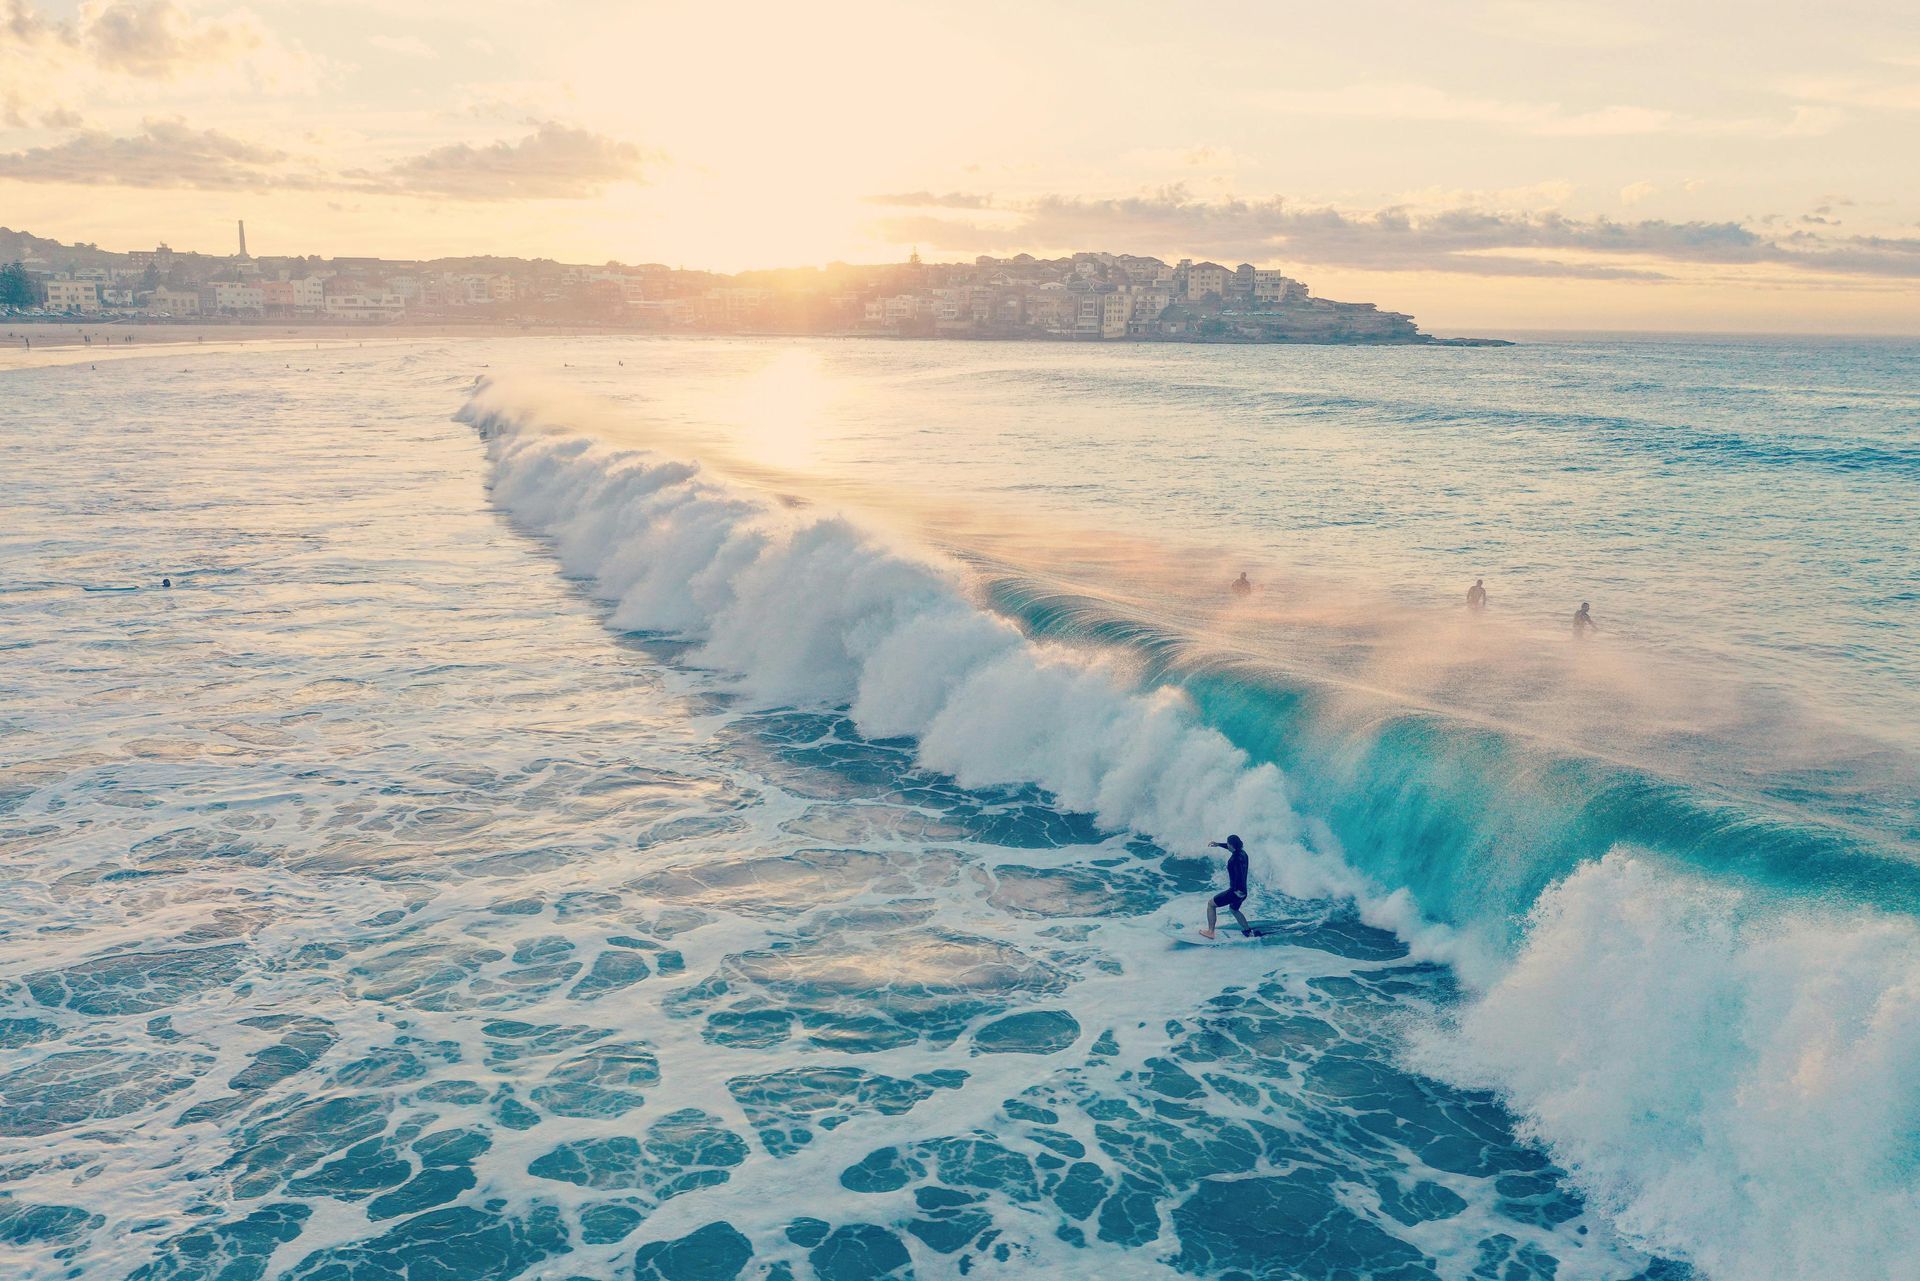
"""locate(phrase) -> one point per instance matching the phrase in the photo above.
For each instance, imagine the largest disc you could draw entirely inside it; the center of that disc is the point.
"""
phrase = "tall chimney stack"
(243, 237)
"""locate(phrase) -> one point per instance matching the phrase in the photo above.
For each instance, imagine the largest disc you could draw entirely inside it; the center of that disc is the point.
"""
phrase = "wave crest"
(1728, 1072)
(1731, 1083)
(804, 607)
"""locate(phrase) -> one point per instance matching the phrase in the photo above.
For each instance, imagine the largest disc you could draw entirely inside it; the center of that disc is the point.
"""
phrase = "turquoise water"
(712, 812)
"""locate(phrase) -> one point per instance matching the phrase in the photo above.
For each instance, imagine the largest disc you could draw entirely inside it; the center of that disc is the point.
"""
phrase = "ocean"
(710, 808)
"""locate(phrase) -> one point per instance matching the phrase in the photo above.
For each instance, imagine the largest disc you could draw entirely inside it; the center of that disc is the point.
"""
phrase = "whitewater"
(710, 810)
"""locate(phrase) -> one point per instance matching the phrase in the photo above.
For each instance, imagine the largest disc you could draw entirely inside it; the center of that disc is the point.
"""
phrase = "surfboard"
(1187, 934)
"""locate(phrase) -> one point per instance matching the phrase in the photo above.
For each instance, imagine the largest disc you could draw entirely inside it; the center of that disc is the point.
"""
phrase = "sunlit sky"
(1478, 163)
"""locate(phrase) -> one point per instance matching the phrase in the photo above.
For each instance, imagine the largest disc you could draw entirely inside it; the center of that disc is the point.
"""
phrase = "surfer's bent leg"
(1231, 901)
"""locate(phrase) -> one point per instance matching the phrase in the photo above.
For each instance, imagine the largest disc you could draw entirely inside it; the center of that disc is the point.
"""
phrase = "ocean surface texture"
(677, 809)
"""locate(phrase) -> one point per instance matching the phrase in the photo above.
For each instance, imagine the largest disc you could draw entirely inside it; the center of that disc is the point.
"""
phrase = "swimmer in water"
(1241, 586)
(1583, 622)
(1477, 595)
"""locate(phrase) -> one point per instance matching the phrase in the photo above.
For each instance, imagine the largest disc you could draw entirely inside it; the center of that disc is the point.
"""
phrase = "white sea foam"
(1732, 1085)
(804, 606)
(1726, 1081)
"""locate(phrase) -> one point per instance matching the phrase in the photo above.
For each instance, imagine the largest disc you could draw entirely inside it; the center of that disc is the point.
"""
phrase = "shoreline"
(66, 343)
(124, 334)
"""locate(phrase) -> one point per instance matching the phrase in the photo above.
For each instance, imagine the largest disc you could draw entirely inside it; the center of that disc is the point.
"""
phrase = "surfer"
(1477, 595)
(166, 582)
(1236, 892)
(1583, 622)
(1241, 586)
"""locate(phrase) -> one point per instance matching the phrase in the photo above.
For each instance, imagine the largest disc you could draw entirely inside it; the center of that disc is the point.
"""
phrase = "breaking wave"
(1709, 1016)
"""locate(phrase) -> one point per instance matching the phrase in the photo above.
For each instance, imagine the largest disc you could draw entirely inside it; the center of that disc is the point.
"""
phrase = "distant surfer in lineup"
(1241, 586)
(1236, 892)
(1477, 595)
(1583, 622)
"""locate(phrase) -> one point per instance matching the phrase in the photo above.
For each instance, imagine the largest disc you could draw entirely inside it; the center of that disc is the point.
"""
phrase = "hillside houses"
(1085, 297)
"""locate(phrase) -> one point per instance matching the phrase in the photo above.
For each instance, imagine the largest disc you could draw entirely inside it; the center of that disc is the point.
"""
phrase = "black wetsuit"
(1236, 892)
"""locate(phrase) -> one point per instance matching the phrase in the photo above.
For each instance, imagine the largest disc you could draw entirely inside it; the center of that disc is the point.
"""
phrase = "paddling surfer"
(1236, 892)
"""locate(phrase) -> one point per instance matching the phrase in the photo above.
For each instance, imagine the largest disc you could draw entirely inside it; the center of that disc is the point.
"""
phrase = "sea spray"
(1728, 1081)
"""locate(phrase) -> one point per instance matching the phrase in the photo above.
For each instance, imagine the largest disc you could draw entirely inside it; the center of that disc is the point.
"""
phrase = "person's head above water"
(166, 582)
(1583, 607)
(1233, 843)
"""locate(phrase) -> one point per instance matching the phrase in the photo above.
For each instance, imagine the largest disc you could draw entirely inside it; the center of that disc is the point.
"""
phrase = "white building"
(734, 305)
(479, 289)
(174, 302)
(366, 306)
(895, 310)
(1102, 315)
(309, 292)
(1148, 302)
(1146, 271)
(1206, 278)
(1271, 287)
(665, 311)
(73, 295)
(232, 296)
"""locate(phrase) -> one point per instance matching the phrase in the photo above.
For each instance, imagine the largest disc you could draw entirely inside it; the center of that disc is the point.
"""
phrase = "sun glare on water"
(778, 411)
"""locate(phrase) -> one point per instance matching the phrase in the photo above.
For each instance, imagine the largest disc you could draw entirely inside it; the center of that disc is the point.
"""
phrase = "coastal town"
(1086, 297)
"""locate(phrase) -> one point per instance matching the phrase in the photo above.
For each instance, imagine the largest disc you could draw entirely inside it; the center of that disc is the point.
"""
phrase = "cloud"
(166, 153)
(160, 40)
(1471, 241)
(1634, 192)
(516, 100)
(154, 40)
(930, 200)
(27, 25)
(1558, 22)
(1538, 196)
(405, 46)
(144, 53)
(555, 162)
(1203, 156)
(1416, 102)
(1896, 93)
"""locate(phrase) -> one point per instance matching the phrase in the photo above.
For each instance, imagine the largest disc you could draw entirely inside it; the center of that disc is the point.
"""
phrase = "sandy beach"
(27, 344)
